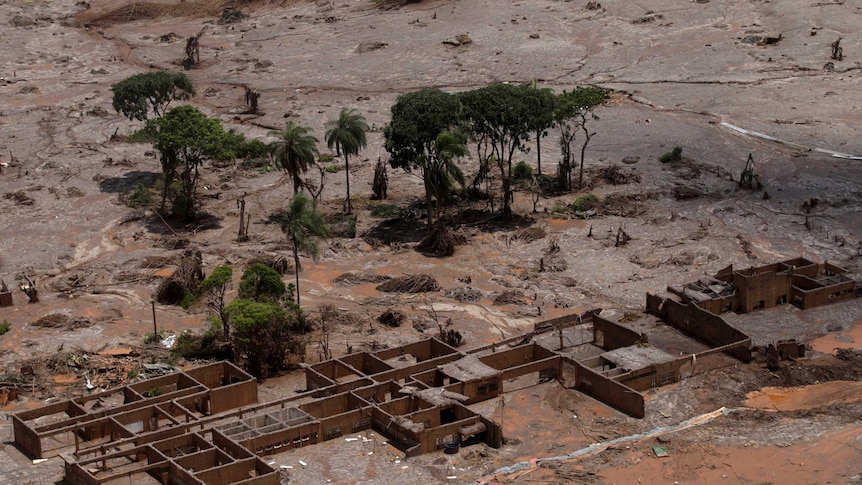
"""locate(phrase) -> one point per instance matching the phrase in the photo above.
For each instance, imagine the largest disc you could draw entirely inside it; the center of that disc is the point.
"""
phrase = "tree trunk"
(429, 204)
(297, 183)
(347, 175)
(296, 267)
(583, 151)
(507, 189)
(538, 151)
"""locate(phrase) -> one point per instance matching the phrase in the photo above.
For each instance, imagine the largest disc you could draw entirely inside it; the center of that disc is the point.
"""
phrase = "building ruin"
(205, 426)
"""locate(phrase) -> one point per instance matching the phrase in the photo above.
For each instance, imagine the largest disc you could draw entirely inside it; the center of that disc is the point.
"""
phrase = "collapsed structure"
(204, 426)
(797, 281)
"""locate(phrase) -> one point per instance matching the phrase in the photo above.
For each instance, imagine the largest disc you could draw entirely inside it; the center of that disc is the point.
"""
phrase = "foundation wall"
(606, 390)
(808, 294)
(763, 289)
(233, 396)
(614, 335)
(700, 324)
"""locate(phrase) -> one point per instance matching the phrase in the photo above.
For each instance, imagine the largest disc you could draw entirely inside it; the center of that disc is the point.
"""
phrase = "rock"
(534, 36)
(631, 160)
(458, 40)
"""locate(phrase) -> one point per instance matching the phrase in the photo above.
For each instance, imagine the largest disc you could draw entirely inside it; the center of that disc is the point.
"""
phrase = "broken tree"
(749, 178)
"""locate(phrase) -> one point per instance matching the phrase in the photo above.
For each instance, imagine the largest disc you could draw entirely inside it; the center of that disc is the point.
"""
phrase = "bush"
(342, 225)
(151, 337)
(674, 155)
(252, 149)
(4, 327)
(261, 283)
(522, 170)
(262, 165)
(585, 202)
(332, 168)
(385, 211)
(141, 196)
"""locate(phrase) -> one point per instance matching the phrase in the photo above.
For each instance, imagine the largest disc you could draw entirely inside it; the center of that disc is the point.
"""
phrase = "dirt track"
(678, 76)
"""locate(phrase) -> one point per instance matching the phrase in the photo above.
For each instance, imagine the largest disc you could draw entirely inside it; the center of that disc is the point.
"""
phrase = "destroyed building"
(798, 281)
(204, 425)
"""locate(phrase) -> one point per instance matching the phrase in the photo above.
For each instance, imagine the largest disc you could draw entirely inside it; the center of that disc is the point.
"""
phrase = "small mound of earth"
(350, 279)
(441, 241)
(392, 318)
(420, 283)
(62, 321)
(464, 294)
(530, 234)
(510, 297)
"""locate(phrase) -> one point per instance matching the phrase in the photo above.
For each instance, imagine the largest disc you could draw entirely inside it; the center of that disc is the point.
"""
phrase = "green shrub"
(342, 225)
(522, 170)
(151, 337)
(385, 211)
(141, 196)
(261, 283)
(585, 202)
(252, 149)
(256, 164)
(674, 155)
(332, 168)
(4, 327)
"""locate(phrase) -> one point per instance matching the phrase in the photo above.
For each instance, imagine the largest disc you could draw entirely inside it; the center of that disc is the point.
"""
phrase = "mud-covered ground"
(679, 71)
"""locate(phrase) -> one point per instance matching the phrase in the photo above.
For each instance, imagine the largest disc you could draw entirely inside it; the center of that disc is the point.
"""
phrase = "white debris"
(169, 341)
(302, 463)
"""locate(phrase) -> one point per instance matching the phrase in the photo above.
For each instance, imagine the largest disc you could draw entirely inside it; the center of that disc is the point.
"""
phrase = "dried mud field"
(683, 73)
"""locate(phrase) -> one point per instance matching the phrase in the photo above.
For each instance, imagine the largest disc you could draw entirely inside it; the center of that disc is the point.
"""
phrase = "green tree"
(441, 172)
(295, 150)
(574, 109)
(414, 139)
(347, 135)
(502, 116)
(186, 138)
(263, 333)
(543, 101)
(302, 224)
(136, 95)
(214, 288)
(261, 283)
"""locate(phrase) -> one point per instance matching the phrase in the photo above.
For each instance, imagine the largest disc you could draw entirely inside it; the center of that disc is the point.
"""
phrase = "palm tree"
(294, 151)
(441, 172)
(302, 224)
(347, 134)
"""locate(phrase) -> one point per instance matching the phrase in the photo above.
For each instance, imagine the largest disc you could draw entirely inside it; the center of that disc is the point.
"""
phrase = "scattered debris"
(185, 280)
(837, 50)
(369, 46)
(62, 321)
(420, 283)
(279, 263)
(510, 297)
(464, 294)
(749, 178)
(350, 279)
(381, 181)
(231, 15)
(622, 238)
(19, 197)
